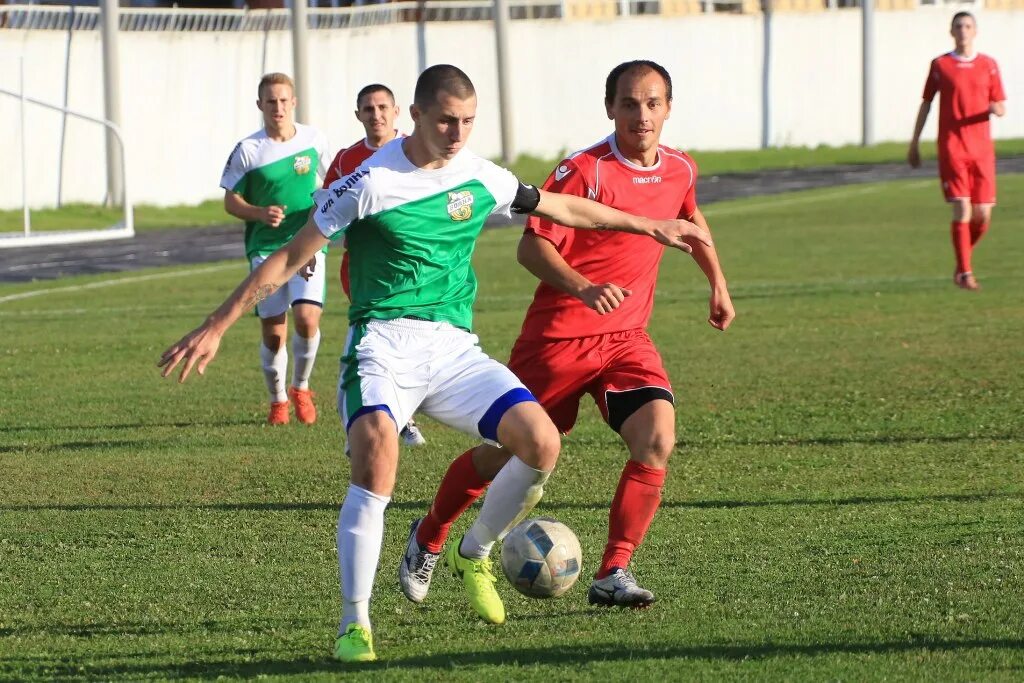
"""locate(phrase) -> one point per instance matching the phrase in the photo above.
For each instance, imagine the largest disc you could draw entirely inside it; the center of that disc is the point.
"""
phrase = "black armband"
(527, 199)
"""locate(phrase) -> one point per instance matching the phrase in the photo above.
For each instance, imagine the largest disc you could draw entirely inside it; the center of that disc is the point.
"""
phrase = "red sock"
(459, 489)
(636, 500)
(962, 246)
(978, 231)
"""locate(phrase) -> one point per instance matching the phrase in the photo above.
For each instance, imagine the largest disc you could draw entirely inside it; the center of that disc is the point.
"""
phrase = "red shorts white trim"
(560, 371)
(973, 179)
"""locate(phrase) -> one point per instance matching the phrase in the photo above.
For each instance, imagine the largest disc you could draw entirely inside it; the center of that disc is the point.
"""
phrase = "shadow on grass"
(421, 506)
(852, 500)
(241, 422)
(36, 449)
(60, 669)
(299, 506)
(95, 630)
(854, 440)
(153, 628)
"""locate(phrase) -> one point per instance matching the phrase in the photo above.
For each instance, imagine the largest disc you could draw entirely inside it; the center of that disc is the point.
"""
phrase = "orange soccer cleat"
(278, 413)
(305, 410)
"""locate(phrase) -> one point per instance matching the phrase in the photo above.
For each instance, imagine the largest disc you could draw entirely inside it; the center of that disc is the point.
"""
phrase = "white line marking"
(712, 210)
(118, 281)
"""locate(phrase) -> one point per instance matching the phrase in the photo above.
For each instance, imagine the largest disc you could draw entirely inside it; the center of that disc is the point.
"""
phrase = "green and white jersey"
(265, 173)
(411, 232)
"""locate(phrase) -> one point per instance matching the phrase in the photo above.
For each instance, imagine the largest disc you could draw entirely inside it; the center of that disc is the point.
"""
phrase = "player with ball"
(411, 215)
(585, 332)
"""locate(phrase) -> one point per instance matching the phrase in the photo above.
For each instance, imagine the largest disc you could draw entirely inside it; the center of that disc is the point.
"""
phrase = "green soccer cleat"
(356, 645)
(476, 576)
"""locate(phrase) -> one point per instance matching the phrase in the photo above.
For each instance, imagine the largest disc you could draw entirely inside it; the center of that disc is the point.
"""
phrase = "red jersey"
(966, 87)
(345, 163)
(347, 160)
(666, 190)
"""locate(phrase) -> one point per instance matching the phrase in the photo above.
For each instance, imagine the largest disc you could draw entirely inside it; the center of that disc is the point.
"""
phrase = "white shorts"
(405, 365)
(296, 291)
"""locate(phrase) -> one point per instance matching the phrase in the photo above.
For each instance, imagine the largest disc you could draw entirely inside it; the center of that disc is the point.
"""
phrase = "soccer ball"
(541, 558)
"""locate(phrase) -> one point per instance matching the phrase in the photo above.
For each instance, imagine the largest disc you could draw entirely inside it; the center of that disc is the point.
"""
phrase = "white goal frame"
(27, 238)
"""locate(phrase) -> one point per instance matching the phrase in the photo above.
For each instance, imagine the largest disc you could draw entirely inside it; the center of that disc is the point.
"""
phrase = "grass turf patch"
(536, 170)
(530, 169)
(844, 503)
(92, 217)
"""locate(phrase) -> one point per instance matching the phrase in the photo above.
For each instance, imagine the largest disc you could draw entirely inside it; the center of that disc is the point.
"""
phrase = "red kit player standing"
(585, 332)
(377, 111)
(970, 90)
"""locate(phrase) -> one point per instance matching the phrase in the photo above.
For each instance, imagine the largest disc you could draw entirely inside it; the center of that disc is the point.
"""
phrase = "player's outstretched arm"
(199, 347)
(720, 310)
(577, 212)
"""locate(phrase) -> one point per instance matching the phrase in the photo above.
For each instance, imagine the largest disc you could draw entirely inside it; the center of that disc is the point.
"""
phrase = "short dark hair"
(450, 79)
(961, 15)
(641, 65)
(372, 88)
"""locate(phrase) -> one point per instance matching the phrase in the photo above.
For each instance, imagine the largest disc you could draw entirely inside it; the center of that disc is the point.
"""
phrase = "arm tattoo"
(261, 293)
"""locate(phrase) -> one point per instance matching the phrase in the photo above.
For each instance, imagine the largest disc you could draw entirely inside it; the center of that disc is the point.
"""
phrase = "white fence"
(62, 18)
(28, 238)
(188, 96)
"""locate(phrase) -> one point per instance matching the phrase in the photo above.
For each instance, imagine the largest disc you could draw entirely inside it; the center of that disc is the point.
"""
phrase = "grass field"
(530, 169)
(846, 501)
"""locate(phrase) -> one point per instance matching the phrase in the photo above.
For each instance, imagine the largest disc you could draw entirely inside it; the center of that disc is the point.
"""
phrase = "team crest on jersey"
(303, 165)
(460, 205)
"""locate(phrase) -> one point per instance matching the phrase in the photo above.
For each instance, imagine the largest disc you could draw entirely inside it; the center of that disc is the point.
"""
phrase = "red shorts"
(966, 178)
(559, 371)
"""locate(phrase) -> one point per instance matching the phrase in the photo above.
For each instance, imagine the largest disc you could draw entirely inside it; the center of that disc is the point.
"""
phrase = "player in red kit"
(585, 332)
(970, 90)
(377, 111)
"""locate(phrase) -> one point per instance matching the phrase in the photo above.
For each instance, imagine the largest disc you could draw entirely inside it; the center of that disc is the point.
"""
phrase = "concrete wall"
(188, 97)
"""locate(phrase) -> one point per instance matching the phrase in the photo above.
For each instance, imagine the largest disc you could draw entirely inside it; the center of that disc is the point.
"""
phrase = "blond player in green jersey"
(268, 182)
(411, 215)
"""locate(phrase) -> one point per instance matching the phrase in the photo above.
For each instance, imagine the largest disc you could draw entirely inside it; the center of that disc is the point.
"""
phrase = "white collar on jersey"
(954, 55)
(627, 162)
(367, 145)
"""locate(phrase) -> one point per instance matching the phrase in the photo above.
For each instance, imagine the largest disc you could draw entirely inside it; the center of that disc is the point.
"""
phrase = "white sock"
(511, 496)
(304, 351)
(360, 535)
(275, 365)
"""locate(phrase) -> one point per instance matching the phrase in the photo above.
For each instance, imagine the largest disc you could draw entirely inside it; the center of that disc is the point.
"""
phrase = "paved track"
(218, 243)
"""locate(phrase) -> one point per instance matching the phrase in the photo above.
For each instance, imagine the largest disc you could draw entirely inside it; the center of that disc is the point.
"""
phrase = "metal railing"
(63, 18)
(28, 238)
